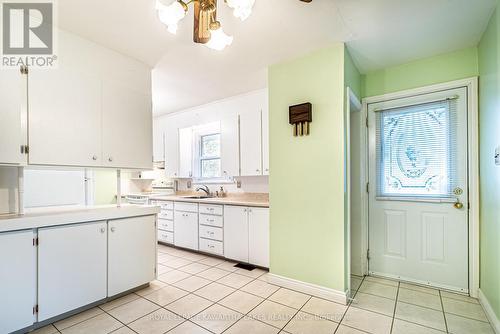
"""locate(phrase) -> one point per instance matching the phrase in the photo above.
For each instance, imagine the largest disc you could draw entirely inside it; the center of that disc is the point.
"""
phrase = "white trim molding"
(490, 314)
(309, 288)
(473, 164)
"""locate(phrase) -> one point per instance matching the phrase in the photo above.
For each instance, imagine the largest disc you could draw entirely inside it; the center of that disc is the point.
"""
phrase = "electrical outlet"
(189, 184)
(497, 156)
(238, 184)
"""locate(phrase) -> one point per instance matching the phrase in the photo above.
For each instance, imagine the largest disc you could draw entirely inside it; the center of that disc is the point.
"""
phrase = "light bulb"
(218, 39)
(171, 15)
(242, 8)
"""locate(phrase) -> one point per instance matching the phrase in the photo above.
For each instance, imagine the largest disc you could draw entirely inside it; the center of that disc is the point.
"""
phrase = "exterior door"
(418, 196)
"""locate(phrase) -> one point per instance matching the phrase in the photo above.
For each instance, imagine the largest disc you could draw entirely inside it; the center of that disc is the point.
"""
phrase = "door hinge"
(24, 69)
(35, 309)
(368, 187)
(366, 122)
(35, 241)
(368, 254)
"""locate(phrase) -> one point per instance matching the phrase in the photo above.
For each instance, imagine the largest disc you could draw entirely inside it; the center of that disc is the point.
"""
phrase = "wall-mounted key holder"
(300, 116)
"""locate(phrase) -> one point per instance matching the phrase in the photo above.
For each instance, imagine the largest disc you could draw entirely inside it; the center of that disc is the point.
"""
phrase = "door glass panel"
(416, 150)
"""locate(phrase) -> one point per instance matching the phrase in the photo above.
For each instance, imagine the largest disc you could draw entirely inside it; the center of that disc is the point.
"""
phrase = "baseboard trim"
(309, 288)
(490, 314)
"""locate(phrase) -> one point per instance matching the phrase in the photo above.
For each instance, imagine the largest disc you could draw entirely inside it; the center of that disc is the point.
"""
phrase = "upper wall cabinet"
(13, 89)
(64, 118)
(230, 151)
(126, 127)
(172, 153)
(265, 139)
(185, 152)
(250, 143)
(158, 142)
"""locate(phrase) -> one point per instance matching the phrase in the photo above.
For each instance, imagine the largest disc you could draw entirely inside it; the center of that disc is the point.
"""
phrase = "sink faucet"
(204, 188)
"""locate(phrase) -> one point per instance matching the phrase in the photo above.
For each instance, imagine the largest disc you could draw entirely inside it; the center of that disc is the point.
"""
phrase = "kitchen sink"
(196, 197)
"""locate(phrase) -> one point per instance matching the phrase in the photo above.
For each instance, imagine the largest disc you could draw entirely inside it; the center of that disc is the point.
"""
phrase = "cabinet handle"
(94, 157)
(267, 169)
(244, 210)
(112, 229)
(103, 230)
(257, 170)
(110, 159)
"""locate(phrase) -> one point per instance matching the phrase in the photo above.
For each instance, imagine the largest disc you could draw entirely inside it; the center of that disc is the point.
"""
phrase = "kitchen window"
(210, 161)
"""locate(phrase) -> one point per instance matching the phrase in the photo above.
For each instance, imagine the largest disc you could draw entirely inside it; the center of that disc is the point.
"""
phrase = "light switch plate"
(497, 156)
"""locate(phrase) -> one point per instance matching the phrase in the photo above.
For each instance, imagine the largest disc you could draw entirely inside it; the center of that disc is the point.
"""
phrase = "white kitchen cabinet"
(172, 152)
(250, 126)
(258, 236)
(158, 141)
(236, 233)
(186, 229)
(13, 109)
(131, 253)
(126, 127)
(230, 151)
(18, 280)
(64, 118)
(265, 139)
(71, 267)
(185, 152)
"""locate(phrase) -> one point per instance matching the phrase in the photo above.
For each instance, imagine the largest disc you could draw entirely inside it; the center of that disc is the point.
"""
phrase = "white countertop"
(242, 201)
(53, 216)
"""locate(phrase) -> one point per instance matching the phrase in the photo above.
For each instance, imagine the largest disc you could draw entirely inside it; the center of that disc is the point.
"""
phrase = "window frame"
(201, 158)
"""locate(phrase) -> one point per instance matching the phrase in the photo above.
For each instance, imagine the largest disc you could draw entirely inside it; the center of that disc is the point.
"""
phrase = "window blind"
(417, 150)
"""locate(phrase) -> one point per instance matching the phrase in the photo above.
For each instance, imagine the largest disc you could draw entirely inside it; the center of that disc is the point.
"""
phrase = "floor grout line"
(395, 307)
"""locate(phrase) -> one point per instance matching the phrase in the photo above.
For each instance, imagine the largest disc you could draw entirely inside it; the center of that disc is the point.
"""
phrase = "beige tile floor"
(200, 294)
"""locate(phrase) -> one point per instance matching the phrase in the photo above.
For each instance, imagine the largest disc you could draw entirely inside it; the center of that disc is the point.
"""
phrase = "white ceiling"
(379, 33)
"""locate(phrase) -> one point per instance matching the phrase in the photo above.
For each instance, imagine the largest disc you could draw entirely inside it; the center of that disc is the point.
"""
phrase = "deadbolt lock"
(458, 191)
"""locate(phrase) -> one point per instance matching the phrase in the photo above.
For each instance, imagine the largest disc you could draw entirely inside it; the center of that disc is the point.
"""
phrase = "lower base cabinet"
(186, 229)
(246, 234)
(131, 253)
(71, 267)
(18, 280)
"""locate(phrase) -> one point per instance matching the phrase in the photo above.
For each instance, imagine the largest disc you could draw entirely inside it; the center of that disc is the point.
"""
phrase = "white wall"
(8, 190)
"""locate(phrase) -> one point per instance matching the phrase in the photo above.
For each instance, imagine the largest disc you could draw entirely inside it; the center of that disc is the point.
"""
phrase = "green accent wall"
(442, 68)
(307, 179)
(104, 187)
(489, 123)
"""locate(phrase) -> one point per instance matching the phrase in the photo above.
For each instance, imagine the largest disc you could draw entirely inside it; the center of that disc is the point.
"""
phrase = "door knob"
(458, 205)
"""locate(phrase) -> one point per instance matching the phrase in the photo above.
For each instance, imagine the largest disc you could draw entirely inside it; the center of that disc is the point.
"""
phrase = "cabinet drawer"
(211, 246)
(189, 207)
(210, 232)
(166, 214)
(166, 237)
(211, 209)
(211, 220)
(166, 225)
(166, 205)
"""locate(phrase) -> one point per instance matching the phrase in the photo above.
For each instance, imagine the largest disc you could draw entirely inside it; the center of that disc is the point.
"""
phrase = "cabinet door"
(251, 143)
(265, 139)
(186, 152)
(64, 118)
(18, 277)
(131, 253)
(258, 236)
(172, 152)
(230, 152)
(158, 141)
(13, 108)
(236, 233)
(71, 267)
(127, 127)
(186, 229)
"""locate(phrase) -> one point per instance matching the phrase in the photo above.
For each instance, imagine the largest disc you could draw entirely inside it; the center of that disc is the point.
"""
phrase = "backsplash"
(249, 184)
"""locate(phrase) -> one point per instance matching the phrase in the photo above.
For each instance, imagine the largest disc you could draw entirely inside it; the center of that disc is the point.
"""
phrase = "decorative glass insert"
(416, 150)
(210, 163)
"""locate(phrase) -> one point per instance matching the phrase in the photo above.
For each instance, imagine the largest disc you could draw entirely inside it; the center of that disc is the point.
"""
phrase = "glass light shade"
(242, 8)
(219, 40)
(170, 15)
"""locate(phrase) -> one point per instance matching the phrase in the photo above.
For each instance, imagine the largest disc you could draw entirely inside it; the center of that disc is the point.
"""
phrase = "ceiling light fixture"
(207, 29)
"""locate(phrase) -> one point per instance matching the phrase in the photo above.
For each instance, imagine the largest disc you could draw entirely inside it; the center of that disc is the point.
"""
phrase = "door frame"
(471, 84)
